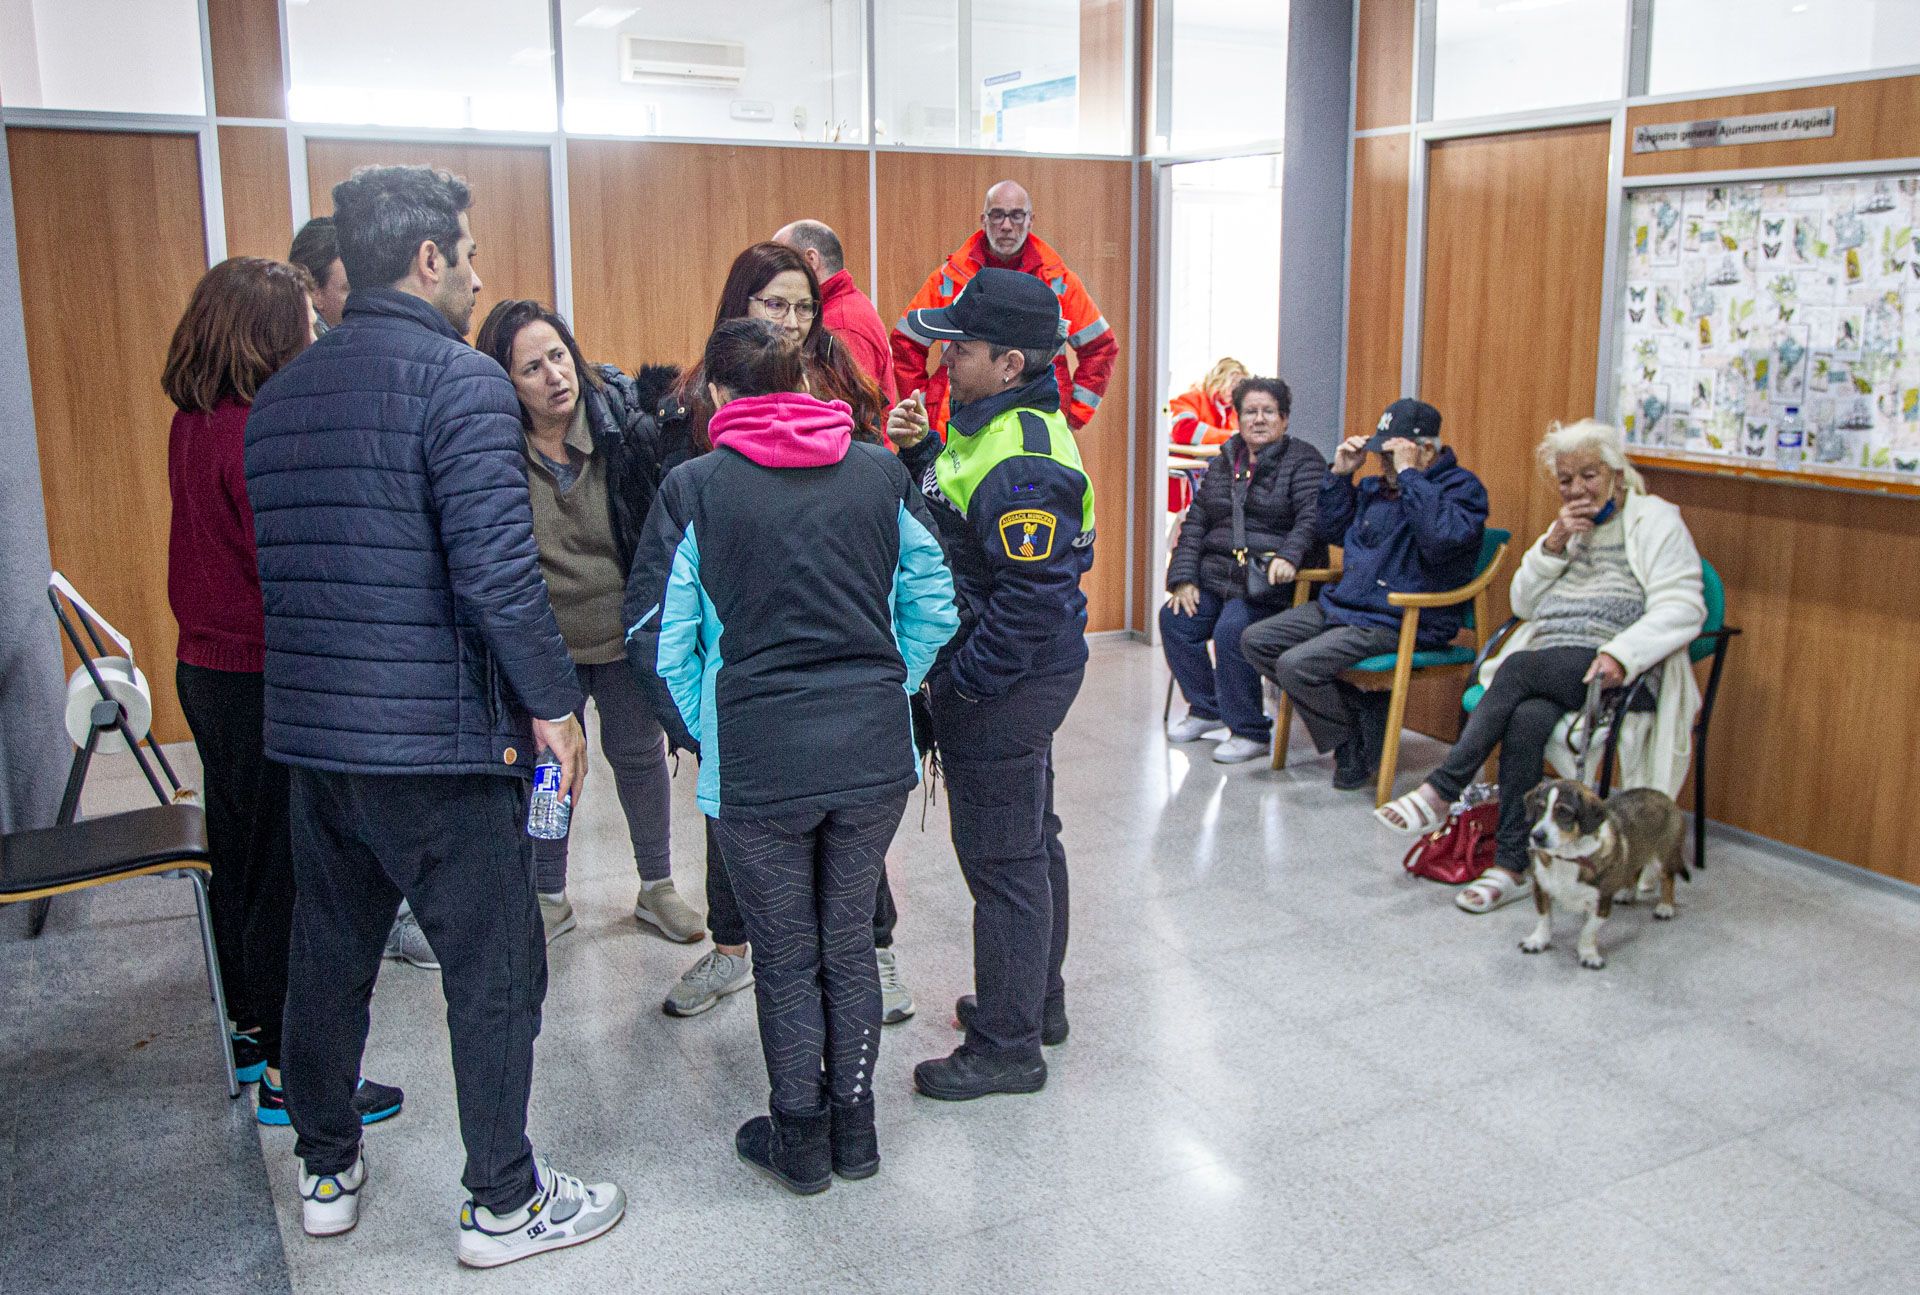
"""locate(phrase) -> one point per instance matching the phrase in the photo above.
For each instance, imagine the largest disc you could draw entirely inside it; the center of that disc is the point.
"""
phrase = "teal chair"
(1396, 670)
(1715, 636)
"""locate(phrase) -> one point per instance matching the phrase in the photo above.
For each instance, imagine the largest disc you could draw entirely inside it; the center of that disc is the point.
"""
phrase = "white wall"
(1494, 56)
(445, 63)
(1229, 75)
(102, 55)
(1702, 44)
(805, 61)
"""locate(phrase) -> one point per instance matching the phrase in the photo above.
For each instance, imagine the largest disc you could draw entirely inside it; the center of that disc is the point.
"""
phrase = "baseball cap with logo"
(1000, 307)
(1415, 420)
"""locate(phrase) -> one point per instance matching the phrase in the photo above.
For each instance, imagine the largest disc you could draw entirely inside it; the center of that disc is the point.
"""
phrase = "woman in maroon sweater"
(246, 319)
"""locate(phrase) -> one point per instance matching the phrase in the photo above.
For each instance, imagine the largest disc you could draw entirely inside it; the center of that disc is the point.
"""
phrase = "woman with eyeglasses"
(771, 282)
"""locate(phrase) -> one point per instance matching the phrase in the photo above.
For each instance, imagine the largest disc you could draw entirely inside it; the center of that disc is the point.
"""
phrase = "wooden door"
(112, 242)
(512, 204)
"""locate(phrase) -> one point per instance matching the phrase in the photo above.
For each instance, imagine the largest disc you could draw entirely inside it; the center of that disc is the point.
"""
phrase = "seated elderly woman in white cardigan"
(1611, 592)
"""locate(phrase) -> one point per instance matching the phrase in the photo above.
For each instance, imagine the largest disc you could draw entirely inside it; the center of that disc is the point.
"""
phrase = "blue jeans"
(1224, 686)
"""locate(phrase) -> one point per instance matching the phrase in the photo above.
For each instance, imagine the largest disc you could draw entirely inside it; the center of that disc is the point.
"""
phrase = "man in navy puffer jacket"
(409, 641)
(1415, 528)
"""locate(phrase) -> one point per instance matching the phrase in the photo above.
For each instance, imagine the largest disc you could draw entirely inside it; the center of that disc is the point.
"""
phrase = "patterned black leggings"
(805, 884)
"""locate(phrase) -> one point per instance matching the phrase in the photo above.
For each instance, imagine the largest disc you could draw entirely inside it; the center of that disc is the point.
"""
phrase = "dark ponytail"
(751, 357)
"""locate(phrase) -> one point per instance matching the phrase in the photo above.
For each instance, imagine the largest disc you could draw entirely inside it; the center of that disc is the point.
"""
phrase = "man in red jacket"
(847, 312)
(1006, 240)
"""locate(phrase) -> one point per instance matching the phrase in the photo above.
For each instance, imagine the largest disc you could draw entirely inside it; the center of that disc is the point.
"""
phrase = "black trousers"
(456, 847)
(727, 926)
(1530, 691)
(998, 761)
(806, 882)
(251, 892)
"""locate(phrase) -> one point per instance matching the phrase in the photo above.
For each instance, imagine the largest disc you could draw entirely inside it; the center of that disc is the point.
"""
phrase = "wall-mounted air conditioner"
(650, 60)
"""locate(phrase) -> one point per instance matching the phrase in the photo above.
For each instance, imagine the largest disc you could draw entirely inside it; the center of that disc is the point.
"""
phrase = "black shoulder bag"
(1255, 566)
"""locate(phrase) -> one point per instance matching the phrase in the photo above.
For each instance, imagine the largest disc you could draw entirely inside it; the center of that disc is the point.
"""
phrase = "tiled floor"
(1292, 1068)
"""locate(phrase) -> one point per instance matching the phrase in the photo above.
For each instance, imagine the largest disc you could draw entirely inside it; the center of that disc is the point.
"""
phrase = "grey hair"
(1594, 437)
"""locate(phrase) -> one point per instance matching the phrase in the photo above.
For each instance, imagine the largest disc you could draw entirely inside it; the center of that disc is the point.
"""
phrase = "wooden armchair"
(1396, 670)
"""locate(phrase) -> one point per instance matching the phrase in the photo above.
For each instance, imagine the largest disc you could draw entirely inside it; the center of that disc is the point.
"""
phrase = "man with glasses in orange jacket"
(1005, 240)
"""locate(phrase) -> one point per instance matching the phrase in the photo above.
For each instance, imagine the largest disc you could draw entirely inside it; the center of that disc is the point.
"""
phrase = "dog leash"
(1589, 724)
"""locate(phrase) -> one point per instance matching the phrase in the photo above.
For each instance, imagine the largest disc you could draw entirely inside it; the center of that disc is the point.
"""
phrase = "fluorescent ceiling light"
(606, 15)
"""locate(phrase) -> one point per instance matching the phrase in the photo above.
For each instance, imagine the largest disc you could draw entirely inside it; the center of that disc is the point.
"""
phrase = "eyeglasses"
(779, 308)
(1000, 216)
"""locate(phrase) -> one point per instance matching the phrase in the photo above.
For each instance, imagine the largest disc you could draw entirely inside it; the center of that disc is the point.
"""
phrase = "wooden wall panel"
(512, 204)
(1383, 91)
(247, 76)
(1510, 337)
(930, 202)
(97, 331)
(1872, 120)
(1376, 277)
(1816, 728)
(656, 226)
(255, 191)
(1150, 473)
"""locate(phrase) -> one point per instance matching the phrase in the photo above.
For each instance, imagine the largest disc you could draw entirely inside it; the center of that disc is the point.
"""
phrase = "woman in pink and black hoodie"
(787, 597)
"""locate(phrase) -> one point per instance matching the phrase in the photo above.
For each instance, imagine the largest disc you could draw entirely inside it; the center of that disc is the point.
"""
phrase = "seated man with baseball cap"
(1414, 528)
(1014, 511)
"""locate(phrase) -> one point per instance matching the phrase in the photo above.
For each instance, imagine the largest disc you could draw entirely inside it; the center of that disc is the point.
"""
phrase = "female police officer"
(1014, 511)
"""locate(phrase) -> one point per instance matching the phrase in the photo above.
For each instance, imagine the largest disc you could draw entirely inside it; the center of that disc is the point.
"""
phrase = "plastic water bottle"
(548, 812)
(1790, 440)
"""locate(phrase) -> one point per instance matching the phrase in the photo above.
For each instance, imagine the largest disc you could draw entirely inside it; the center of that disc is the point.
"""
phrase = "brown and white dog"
(1586, 851)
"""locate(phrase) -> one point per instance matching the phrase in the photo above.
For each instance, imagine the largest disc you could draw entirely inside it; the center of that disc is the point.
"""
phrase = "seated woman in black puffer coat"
(1218, 565)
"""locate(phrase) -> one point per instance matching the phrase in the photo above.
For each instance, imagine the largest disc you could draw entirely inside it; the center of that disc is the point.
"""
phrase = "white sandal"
(1494, 888)
(1412, 814)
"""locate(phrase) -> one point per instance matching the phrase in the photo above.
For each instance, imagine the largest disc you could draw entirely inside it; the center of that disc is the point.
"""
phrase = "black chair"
(168, 840)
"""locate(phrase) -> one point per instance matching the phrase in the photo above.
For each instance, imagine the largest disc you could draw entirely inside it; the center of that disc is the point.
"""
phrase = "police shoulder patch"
(1027, 533)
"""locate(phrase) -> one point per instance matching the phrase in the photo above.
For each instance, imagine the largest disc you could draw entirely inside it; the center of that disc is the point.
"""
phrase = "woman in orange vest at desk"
(1204, 414)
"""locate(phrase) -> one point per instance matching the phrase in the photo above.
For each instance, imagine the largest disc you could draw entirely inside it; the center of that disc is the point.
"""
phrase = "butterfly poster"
(1740, 302)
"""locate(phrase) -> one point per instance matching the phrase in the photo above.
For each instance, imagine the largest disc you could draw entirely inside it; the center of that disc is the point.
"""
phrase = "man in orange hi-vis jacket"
(1005, 240)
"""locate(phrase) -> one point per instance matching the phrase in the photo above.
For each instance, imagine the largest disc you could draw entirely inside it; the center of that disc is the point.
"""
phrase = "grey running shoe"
(562, 1212)
(659, 905)
(556, 914)
(708, 981)
(407, 942)
(896, 1004)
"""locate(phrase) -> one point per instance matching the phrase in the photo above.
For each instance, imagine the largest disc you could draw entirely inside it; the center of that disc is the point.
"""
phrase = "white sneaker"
(1193, 728)
(659, 905)
(330, 1204)
(563, 1212)
(1239, 750)
(896, 1004)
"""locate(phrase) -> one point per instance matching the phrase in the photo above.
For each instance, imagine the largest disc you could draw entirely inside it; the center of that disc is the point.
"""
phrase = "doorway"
(1220, 296)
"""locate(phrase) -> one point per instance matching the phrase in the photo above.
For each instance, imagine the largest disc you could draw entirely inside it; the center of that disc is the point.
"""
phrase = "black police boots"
(793, 1150)
(1053, 1018)
(856, 1149)
(968, 1074)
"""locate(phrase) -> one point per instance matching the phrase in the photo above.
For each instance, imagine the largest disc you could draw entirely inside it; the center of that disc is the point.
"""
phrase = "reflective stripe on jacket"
(1088, 333)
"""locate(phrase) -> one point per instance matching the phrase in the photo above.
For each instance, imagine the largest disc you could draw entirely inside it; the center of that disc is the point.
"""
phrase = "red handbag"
(1460, 850)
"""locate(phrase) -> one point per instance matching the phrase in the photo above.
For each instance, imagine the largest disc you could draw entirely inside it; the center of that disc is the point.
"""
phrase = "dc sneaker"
(563, 1212)
(330, 1203)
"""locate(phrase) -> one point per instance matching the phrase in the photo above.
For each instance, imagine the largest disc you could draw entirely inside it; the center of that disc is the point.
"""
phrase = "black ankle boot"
(1351, 766)
(1053, 1018)
(856, 1148)
(793, 1150)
